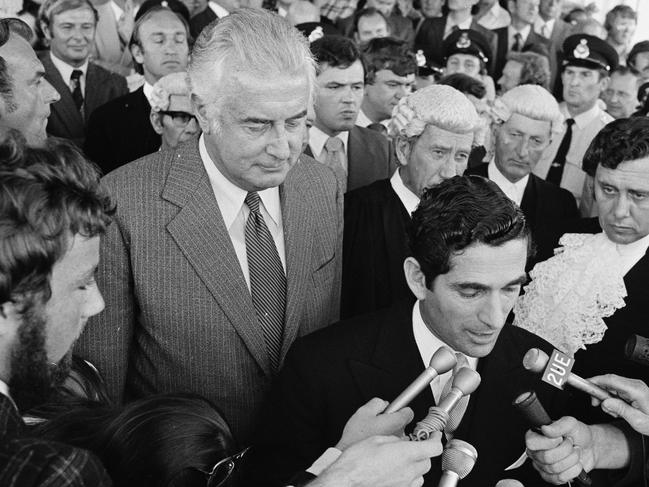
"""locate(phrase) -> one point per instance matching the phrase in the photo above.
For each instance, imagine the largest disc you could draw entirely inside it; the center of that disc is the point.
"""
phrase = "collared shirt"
(511, 35)
(586, 126)
(408, 199)
(363, 120)
(230, 199)
(631, 253)
(148, 89)
(464, 25)
(117, 10)
(496, 18)
(218, 10)
(428, 344)
(544, 28)
(317, 140)
(66, 71)
(514, 191)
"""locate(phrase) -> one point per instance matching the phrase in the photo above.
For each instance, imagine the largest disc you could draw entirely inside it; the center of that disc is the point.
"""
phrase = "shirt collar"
(148, 89)
(65, 69)
(631, 253)
(584, 118)
(218, 10)
(427, 342)
(362, 120)
(4, 389)
(524, 32)
(464, 25)
(230, 197)
(117, 10)
(409, 199)
(317, 140)
(514, 191)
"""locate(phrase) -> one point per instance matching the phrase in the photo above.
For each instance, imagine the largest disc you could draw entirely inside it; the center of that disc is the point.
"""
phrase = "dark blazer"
(374, 248)
(31, 462)
(101, 87)
(430, 38)
(369, 157)
(120, 131)
(179, 315)
(330, 374)
(201, 20)
(500, 56)
(547, 208)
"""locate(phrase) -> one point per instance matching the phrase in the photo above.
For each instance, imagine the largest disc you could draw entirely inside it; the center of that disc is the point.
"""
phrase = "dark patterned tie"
(556, 169)
(267, 279)
(518, 42)
(75, 87)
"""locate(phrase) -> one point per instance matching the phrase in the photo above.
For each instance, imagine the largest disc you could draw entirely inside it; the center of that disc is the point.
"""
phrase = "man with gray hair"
(433, 130)
(525, 120)
(226, 248)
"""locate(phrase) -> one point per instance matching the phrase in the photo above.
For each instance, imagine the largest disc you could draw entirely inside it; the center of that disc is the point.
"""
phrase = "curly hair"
(387, 53)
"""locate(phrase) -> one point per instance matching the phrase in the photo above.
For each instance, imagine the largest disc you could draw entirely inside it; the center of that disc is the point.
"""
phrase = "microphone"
(465, 381)
(458, 460)
(535, 360)
(534, 412)
(637, 349)
(509, 483)
(441, 362)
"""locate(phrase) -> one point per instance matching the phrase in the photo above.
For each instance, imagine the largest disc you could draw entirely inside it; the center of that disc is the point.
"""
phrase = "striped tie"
(267, 279)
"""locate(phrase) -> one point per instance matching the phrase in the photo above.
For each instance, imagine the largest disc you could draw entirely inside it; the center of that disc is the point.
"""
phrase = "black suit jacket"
(120, 131)
(329, 374)
(500, 56)
(374, 248)
(547, 208)
(430, 38)
(369, 157)
(30, 462)
(201, 20)
(101, 87)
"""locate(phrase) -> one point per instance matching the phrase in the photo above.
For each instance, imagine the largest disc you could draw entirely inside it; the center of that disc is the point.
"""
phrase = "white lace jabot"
(572, 292)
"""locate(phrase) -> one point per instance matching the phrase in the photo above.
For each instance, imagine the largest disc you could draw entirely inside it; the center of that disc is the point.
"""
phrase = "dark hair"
(623, 11)
(572, 16)
(387, 53)
(465, 83)
(368, 12)
(143, 15)
(642, 46)
(625, 139)
(157, 441)
(47, 195)
(8, 27)
(445, 10)
(335, 52)
(535, 68)
(457, 213)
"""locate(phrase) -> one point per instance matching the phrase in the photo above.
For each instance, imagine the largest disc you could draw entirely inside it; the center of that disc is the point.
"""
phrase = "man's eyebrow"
(264, 120)
(519, 281)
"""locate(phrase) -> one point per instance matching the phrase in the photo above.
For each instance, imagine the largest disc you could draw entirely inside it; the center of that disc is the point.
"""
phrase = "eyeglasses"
(222, 471)
(179, 118)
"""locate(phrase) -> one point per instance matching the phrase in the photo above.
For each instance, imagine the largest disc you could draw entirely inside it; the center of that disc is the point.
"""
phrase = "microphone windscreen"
(532, 409)
(467, 380)
(459, 457)
(509, 483)
(443, 360)
(637, 349)
(535, 360)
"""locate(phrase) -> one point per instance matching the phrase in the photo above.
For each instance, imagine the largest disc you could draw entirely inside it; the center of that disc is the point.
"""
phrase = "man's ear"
(402, 148)
(415, 278)
(9, 318)
(604, 82)
(200, 110)
(156, 122)
(46, 31)
(138, 55)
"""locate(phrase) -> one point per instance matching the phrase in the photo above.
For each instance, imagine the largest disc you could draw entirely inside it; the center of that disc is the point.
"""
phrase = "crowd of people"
(232, 232)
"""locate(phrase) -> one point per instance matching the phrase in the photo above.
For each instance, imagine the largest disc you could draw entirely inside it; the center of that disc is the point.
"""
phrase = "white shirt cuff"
(327, 458)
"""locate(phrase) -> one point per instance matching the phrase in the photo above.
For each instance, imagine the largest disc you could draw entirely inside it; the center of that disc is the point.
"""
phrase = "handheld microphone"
(441, 362)
(534, 412)
(509, 483)
(535, 360)
(465, 381)
(458, 460)
(637, 349)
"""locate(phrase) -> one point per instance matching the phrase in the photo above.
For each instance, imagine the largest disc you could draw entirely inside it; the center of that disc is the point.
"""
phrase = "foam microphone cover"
(509, 483)
(458, 457)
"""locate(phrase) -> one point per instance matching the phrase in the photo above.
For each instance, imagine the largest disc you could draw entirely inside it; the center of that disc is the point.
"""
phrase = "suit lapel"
(65, 107)
(393, 219)
(298, 242)
(11, 424)
(200, 232)
(354, 146)
(91, 97)
(528, 203)
(636, 278)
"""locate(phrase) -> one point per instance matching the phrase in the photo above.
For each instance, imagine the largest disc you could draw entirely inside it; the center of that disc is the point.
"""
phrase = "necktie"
(75, 88)
(455, 416)
(518, 42)
(334, 157)
(556, 169)
(267, 279)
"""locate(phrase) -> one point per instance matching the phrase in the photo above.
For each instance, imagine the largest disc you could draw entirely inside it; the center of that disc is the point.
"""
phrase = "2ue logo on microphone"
(558, 369)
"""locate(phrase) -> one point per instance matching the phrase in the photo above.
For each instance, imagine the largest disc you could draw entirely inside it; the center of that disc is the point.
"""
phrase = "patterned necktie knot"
(518, 42)
(76, 74)
(75, 87)
(252, 201)
(334, 144)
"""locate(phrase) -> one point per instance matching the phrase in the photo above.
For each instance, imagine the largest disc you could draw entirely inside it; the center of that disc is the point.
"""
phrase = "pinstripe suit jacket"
(179, 315)
(30, 462)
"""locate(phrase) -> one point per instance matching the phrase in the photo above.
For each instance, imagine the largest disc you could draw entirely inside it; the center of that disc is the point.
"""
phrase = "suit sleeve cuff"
(326, 459)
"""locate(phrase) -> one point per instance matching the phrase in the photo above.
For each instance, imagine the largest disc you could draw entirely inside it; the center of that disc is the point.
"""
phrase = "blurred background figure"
(525, 68)
(172, 114)
(638, 60)
(620, 26)
(369, 24)
(621, 94)
(491, 15)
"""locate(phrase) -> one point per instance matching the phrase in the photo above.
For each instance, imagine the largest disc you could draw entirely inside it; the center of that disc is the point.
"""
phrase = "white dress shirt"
(514, 191)
(148, 89)
(511, 35)
(631, 253)
(230, 199)
(464, 25)
(317, 140)
(543, 28)
(428, 344)
(66, 72)
(218, 10)
(496, 18)
(408, 199)
(586, 126)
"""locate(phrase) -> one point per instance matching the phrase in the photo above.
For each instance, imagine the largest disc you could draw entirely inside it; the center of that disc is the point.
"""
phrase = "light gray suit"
(179, 316)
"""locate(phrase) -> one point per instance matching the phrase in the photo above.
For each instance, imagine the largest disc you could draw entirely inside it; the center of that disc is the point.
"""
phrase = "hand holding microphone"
(631, 403)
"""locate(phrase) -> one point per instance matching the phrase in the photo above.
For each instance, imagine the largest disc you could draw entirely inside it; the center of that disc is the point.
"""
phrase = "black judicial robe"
(374, 248)
(329, 374)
